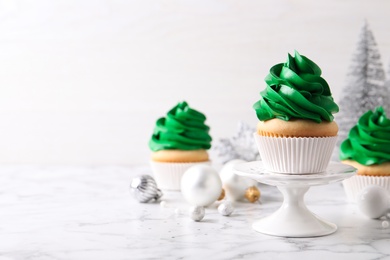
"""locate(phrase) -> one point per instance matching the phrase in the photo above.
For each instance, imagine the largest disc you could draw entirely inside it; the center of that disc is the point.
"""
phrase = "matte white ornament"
(197, 213)
(385, 224)
(201, 185)
(373, 201)
(234, 185)
(226, 208)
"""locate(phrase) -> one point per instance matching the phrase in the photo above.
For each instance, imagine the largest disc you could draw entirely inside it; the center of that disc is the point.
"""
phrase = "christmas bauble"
(201, 185)
(144, 189)
(385, 224)
(234, 185)
(197, 213)
(373, 201)
(252, 194)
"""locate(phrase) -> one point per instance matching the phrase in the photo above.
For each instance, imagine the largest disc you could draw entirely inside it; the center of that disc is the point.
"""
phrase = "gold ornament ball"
(222, 196)
(252, 194)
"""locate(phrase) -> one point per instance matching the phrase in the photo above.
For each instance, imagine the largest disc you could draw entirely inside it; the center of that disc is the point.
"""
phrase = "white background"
(83, 82)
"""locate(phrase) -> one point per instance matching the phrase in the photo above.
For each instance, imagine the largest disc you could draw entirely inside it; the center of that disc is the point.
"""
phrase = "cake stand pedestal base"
(293, 218)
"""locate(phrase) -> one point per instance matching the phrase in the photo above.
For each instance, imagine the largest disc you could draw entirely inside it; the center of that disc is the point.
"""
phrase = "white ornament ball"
(226, 208)
(373, 201)
(197, 213)
(163, 204)
(201, 185)
(385, 224)
(233, 184)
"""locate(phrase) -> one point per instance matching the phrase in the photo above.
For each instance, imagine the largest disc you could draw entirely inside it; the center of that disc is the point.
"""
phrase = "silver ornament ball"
(373, 201)
(201, 185)
(226, 208)
(144, 189)
(197, 213)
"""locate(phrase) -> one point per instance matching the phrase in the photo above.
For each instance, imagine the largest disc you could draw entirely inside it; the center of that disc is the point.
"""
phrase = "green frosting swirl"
(183, 128)
(368, 142)
(295, 89)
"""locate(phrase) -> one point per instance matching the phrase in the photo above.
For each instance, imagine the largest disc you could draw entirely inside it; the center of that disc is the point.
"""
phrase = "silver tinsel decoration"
(240, 146)
(144, 189)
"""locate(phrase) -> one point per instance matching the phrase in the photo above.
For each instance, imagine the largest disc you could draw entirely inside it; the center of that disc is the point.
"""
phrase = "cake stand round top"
(255, 170)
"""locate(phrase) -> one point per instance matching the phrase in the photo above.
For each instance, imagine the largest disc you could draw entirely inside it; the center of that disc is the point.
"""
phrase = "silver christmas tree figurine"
(365, 88)
(387, 87)
(240, 146)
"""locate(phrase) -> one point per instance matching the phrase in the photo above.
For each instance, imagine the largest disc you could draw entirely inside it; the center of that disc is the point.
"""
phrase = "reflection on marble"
(88, 213)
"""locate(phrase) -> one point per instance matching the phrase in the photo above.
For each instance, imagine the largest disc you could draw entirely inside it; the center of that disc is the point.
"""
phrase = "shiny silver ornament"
(373, 201)
(197, 213)
(201, 185)
(144, 189)
(226, 208)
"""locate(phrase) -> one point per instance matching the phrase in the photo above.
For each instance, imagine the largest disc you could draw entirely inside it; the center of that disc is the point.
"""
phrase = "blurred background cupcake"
(296, 133)
(367, 148)
(179, 141)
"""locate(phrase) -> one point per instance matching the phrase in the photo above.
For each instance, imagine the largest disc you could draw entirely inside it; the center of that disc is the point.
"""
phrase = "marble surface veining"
(88, 213)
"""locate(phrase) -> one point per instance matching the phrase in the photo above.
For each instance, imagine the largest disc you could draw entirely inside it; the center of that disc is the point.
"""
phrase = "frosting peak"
(295, 89)
(183, 128)
(368, 142)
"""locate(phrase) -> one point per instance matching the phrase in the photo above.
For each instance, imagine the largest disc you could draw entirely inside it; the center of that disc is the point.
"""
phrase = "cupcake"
(179, 141)
(367, 148)
(296, 132)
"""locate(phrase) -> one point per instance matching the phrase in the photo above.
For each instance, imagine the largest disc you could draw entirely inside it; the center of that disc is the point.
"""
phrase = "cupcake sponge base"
(296, 128)
(370, 170)
(181, 156)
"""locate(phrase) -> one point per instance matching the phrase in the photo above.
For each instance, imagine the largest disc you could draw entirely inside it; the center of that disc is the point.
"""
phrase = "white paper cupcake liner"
(357, 183)
(295, 155)
(168, 175)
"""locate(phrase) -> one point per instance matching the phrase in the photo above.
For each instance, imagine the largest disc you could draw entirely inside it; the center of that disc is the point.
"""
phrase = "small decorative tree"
(365, 88)
(387, 86)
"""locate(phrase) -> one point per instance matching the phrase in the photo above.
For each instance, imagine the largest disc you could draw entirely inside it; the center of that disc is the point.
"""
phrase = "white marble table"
(88, 213)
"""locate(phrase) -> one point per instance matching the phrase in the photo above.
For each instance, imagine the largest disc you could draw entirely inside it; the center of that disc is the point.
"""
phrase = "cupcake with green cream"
(367, 148)
(296, 132)
(179, 140)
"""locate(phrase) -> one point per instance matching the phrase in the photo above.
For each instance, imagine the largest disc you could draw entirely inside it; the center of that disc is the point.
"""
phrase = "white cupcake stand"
(293, 218)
